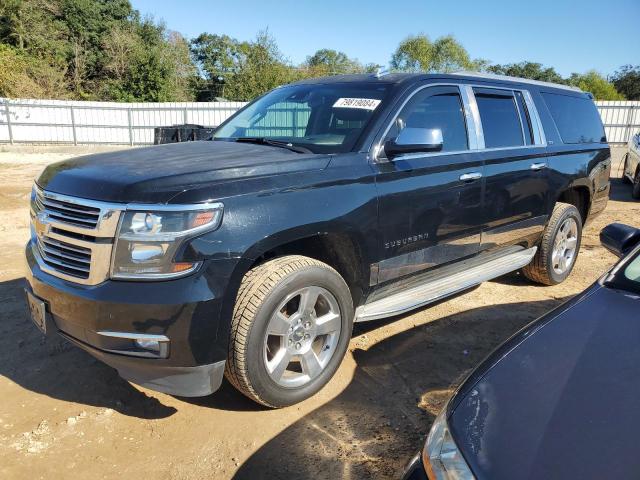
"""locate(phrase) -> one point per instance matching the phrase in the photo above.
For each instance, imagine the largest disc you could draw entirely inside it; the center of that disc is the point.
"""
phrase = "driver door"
(430, 203)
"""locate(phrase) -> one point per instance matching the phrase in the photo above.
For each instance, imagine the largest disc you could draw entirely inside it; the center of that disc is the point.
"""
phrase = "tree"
(531, 70)
(94, 49)
(595, 84)
(627, 81)
(419, 54)
(240, 70)
(219, 58)
(262, 68)
(331, 62)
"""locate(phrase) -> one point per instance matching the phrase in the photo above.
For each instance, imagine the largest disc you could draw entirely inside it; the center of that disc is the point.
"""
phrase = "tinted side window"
(500, 119)
(436, 107)
(577, 118)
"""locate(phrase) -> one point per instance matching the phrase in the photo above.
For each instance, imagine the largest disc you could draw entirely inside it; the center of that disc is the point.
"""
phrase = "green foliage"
(595, 84)
(21, 76)
(104, 50)
(240, 70)
(331, 62)
(627, 81)
(419, 54)
(93, 49)
(531, 70)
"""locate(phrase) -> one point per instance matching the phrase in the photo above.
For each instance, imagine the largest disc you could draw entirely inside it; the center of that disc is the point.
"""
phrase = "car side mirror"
(414, 140)
(619, 239)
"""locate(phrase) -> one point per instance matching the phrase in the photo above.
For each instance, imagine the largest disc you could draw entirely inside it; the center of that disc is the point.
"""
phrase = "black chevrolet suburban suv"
(322, 203)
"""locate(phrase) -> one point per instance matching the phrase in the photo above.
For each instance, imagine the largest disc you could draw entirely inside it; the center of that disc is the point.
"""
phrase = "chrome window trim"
(474, 128)
(474, 123)
(522, 116)
(475, 113)
(539, 137)
(536, 124)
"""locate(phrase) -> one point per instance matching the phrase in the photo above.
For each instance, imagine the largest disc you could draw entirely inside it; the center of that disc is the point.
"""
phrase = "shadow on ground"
(51, 366)
(620, 191)
(381, 419)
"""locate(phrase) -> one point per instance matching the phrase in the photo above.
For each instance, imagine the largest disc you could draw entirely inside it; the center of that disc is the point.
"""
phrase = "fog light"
(152, 345)
(148, 345)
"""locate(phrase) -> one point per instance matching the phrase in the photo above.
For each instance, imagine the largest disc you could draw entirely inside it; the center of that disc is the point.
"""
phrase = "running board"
(432, 291)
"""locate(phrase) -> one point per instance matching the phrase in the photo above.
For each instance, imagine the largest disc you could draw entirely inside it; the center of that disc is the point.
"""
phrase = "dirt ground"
(65, 415)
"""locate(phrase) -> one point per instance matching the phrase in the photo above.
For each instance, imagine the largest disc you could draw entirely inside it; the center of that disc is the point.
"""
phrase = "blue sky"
(571, 36)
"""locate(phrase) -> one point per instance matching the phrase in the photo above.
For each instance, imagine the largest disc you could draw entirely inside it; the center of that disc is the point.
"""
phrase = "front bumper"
(187, 311)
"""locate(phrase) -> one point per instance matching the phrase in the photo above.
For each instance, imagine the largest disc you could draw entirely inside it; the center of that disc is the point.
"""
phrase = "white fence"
(72, 122)
(621, 119)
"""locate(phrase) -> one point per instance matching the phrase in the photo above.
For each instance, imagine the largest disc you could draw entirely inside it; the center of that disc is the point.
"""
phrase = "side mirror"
(619, 239)
(414, 140)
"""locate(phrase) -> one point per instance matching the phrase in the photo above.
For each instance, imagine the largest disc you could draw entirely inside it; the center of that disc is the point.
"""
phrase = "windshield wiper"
(274, 143)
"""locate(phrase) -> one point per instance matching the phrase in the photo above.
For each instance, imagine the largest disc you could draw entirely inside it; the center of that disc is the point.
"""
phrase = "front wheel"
(559, 247)
(290, 330)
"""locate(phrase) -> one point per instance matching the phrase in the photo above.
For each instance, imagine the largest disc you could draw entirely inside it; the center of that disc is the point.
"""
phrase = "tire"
(545, 268)
(635, 189)
(276, 322)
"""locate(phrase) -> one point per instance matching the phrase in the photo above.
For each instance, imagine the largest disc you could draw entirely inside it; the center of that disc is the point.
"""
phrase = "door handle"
(470, 177)
(538, 166)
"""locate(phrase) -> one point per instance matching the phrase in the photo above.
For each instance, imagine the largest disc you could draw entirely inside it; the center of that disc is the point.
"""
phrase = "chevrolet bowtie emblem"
(41, 224)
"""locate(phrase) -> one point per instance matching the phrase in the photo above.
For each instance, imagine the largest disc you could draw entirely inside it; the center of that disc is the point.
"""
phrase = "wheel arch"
(578, 195)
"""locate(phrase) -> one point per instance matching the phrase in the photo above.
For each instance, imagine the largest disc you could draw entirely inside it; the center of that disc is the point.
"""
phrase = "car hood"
(157, 174)
(560, 399)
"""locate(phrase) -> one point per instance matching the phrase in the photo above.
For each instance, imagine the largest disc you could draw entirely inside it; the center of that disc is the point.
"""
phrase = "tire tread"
(537, 270)
(254, 288)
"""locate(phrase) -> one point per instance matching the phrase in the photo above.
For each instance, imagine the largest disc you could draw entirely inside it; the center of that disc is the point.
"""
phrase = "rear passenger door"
(518, 190)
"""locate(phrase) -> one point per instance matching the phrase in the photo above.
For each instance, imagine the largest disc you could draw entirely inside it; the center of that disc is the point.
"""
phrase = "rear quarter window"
(577, 118)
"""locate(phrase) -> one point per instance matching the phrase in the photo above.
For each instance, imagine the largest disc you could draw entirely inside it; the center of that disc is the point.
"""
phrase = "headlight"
(148, 240)
(441, 457)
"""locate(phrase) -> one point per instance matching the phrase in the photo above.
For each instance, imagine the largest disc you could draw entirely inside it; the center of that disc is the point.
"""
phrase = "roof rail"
(380, 71)
(507, 78)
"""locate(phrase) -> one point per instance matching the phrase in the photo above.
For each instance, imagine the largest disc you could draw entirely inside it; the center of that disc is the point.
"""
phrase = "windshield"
(628, 276)
(632, 271)
(321, 118)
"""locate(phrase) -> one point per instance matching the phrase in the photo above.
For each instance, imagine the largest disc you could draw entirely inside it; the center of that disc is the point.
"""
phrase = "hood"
(156, 174)
(560, 399)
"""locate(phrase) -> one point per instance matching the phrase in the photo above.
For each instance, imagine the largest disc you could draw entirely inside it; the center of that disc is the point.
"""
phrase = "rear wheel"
(558, 248)
(291, 327)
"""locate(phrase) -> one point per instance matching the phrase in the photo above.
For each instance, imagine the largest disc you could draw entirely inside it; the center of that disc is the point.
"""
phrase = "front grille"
(67, 212)
(72, 238)
(64, 257)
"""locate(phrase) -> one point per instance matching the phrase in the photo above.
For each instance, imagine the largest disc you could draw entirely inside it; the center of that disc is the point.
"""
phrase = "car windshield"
(632, 271)
(322, 118)
(628, 277)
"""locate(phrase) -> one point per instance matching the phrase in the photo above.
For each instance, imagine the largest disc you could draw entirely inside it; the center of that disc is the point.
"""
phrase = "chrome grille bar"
(72, 238)
(68, 212)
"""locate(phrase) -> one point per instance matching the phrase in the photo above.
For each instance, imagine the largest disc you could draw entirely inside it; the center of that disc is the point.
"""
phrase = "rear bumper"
(186, 311)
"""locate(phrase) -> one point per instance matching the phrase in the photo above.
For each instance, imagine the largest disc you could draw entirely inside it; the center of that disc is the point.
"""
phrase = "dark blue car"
(560, 399)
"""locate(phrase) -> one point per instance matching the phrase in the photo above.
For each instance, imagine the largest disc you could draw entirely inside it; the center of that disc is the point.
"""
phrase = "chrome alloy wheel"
(565, 246)
(302, 336)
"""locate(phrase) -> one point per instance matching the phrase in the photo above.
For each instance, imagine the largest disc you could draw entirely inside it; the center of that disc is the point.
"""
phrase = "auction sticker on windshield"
(363, 103)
